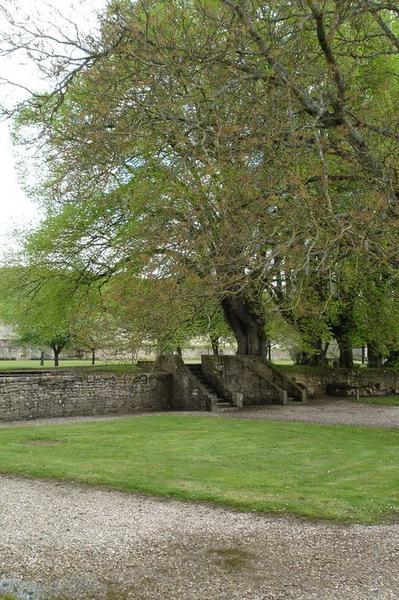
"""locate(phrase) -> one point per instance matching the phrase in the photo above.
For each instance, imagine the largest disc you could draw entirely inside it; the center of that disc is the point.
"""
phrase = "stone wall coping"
(5, 375)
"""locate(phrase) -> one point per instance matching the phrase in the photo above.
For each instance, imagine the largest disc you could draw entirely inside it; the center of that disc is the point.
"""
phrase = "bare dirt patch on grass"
(35, 442)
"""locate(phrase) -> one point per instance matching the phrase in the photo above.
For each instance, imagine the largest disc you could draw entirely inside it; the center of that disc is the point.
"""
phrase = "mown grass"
(15, 365)
(11, 365)
(380, 400)
(292, 368)
(289, 366)
(330, 472)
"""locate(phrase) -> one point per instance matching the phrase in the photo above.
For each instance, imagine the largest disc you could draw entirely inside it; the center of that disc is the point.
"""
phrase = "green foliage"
(211, 151)
(39, 303)
(161, 315)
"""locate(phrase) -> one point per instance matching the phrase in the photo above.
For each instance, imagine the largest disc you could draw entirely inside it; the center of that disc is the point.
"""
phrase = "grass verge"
(380, 400)
(291, 368)
(348, 474)
(16, 365)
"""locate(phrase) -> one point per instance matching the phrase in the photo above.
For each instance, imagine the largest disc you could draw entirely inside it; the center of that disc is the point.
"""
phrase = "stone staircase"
(227, 383)
(294, 400)
(250, 381)
(220, 403)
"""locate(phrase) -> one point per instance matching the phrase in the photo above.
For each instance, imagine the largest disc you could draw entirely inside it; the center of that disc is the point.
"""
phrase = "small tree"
(38, 304)
(41, 337)
(93, 326)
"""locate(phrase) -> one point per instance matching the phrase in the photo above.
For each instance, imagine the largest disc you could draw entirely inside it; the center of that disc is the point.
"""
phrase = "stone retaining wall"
(187, 391)
(240, 375)
(368, 382)
(44, 395)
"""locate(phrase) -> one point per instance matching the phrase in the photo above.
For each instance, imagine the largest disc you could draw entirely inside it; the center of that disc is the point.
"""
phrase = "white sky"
(16, 209)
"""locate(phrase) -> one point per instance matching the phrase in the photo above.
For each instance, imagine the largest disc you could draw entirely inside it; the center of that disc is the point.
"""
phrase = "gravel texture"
(328, 411)
(66, 541)
(325, 410)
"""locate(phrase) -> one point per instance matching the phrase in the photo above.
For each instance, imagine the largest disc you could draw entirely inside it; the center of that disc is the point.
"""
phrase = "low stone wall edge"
(28, 397)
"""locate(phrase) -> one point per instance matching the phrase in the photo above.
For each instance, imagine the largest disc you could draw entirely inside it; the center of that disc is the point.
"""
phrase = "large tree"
(236, 144)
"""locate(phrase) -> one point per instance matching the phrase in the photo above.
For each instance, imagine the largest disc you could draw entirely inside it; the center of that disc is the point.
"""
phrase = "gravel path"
(326, 410)
(73, 542)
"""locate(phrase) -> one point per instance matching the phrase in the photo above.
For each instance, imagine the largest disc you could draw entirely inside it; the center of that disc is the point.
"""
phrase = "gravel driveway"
(325, 410)
(328, 411)
(63, 541)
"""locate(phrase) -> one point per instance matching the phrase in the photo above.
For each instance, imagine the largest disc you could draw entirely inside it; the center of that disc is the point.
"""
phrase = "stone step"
(196, 370)
(221, 403)
(292, 400)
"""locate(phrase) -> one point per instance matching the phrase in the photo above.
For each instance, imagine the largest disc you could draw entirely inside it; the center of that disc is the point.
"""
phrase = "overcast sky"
(16, 209)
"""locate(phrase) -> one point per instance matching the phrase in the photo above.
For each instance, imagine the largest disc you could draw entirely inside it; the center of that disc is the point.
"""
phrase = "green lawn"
(382, 400)
(35, 364)
(11, 365)
(334, 472)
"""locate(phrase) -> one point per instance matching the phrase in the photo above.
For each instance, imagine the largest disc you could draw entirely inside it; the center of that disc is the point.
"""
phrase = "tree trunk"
(316, 357)
(179, 351)
(56, 356)
(247, 324)
(342, 330)
(345, 351)
(215, 346)
(392, 359)
(374, 356)
(42, 358)
(93, 356)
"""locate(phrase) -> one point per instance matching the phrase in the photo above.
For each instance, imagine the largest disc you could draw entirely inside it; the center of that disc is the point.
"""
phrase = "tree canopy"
(241, 154)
